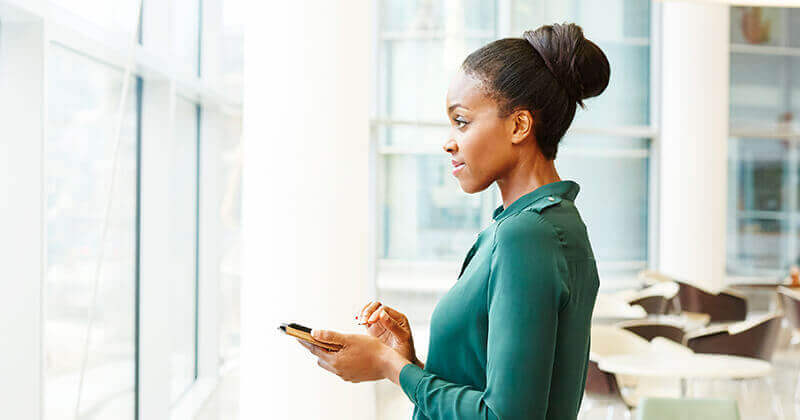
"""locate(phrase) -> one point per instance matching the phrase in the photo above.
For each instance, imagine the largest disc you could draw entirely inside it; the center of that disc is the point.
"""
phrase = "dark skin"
(493, 149)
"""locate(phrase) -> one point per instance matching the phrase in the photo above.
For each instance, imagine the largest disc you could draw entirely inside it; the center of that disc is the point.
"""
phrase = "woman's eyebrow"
(455, 105)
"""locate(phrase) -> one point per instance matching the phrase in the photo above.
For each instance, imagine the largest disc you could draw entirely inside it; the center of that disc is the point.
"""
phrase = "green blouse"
(510, 340)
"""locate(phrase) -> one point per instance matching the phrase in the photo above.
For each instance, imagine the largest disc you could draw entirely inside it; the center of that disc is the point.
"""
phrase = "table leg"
(684, 386)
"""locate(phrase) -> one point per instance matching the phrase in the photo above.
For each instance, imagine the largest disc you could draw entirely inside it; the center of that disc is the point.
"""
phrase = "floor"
(224, 402)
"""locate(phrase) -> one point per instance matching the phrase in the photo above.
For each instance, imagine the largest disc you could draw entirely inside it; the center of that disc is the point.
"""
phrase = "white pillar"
(305, 201)
(22, 261)
(694, 149)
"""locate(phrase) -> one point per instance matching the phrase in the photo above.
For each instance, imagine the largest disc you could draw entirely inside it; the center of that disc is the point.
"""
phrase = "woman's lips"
(458, 167)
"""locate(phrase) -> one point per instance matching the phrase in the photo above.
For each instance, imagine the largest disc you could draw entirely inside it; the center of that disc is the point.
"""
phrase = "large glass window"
(230, 212)
(113, 17)
(182, 274)
(607, 148)
(763, 166)
(81, 115)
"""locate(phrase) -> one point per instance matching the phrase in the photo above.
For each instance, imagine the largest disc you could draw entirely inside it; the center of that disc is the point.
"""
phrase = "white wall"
(305, 202)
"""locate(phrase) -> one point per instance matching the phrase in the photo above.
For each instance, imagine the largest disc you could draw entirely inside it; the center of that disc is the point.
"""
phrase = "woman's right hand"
(391, 327)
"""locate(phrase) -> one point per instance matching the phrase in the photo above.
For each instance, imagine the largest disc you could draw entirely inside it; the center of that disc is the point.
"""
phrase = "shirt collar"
(564, 189)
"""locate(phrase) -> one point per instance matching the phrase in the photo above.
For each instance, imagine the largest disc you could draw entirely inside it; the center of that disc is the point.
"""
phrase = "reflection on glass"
(418, 75)
(759, 25)
(761, 93)
(759, 170)
(757, 245)
(763, 68)
(230, 212)
(613, 175)
(232, 54)
(182, 276)
(186, 35)
(621, 28)
(82, 110)
(426, 214)
(117, 17)
(437, 15)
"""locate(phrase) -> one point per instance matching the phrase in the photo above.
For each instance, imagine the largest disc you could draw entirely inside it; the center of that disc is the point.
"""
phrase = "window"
(142, 341)
(607, 149)
(79, 158)
(182, 273)
(763, 148)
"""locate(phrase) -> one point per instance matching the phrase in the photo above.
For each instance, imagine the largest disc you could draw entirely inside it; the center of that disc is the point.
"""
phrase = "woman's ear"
(522, 125)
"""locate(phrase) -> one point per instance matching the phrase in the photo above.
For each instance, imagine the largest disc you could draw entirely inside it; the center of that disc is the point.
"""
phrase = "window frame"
(767, 133)
(28, 28)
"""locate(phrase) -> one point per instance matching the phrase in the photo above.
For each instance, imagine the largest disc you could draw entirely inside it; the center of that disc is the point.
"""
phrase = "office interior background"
(129, 194)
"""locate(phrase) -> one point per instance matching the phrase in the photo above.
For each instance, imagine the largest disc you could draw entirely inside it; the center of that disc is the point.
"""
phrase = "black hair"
(549, 71)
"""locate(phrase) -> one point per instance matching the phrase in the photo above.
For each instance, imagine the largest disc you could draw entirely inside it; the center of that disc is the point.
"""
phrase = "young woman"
(510, 339)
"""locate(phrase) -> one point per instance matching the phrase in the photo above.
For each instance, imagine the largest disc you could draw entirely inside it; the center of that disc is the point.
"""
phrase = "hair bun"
(579, 65)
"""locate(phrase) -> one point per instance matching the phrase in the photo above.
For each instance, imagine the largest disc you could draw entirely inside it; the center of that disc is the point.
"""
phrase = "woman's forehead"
(467, 91)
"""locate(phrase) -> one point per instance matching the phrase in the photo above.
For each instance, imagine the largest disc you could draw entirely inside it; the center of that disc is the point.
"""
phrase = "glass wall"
(607, 149)
(94, 352)
(763, 148)
(84, 95)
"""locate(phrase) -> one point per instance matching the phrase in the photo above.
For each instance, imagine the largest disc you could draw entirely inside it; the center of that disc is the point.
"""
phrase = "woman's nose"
(450, 146)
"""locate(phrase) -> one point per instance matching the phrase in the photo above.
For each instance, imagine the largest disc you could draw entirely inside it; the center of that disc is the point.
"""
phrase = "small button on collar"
(551, 198)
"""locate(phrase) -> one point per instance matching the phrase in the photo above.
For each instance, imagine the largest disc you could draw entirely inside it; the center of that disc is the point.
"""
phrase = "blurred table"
(683, 367)
(765, 290)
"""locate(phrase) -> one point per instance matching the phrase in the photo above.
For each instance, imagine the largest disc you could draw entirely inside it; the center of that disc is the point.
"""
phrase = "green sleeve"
(525, 292)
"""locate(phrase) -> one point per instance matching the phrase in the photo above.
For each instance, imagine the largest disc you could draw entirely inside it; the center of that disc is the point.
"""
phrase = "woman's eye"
(459, 122)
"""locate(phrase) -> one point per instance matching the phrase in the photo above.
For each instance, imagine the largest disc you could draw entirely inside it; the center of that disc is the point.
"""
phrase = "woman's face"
(479, 142)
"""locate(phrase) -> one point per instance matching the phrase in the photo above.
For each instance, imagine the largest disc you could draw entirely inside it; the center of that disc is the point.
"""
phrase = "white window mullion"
(22, 256)
(154, 337)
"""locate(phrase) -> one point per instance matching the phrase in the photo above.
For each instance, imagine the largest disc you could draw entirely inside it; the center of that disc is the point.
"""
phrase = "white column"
(305, 201)
(694, 149)
(22, 261)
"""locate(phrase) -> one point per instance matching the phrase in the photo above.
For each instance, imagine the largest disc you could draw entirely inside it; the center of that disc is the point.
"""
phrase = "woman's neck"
(526, 177)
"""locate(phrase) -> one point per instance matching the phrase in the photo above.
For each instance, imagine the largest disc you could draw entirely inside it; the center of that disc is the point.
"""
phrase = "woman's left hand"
(360, 359)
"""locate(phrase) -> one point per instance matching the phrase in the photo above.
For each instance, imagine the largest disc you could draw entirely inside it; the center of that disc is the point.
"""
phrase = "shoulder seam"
(555, 233)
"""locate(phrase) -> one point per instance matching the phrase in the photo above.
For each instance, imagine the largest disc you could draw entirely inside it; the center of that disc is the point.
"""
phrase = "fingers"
(315, 350)
(367, 311)
(398, 316)
(329, 336)
(393, 325)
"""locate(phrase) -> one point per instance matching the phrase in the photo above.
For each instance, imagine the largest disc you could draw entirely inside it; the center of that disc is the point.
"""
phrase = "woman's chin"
(467, 187)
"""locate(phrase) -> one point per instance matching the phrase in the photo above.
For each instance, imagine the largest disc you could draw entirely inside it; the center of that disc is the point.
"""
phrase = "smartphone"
(304, 333)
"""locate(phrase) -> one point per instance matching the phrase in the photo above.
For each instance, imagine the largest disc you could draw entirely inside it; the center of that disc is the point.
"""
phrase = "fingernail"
(314, 333)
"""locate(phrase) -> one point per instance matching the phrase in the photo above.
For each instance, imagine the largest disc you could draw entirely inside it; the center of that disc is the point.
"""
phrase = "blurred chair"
(688, 409)
(756, 338)
(602, 386)
(790, 302)
(651, 328)
(611, 307)
(652, 277)
(655, 299)
(722, 306)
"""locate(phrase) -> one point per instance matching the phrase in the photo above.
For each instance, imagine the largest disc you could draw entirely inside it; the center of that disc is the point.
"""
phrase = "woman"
(510, 339)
